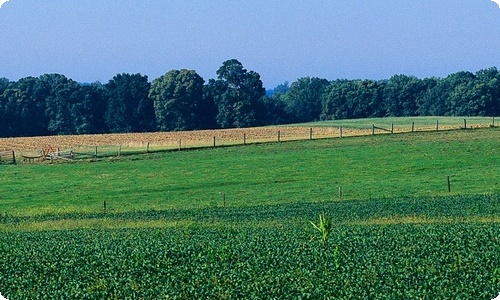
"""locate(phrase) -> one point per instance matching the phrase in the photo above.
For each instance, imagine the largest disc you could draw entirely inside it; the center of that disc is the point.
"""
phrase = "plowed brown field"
(184, 139)
(172, 139)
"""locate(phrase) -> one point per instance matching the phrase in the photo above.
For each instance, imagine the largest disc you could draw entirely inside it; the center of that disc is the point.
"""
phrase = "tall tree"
(303, 99)
(61, 95)
(23, 109)
(89, 111)
(237, 94)
(489, 79)
(179, 102)
(273, 107)
(401, 95)
(460, 93)
(8, 109)
(431, 102)
(348, 99)
(4, 83)
(129, 107)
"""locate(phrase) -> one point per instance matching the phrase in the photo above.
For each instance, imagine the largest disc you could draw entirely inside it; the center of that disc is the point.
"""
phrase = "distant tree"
(22, 109)
(89, 111)
(129, 107)
(179, 102)
(459, 89)
(61, 95)
(431, 102)
(273, 107)
(474, 94)
(237, 94)
(303, 99)
(401, 94)
(55, 104)
(281, 88)
(4, 83)
(9, 99)
(489, 79)
(348, 99)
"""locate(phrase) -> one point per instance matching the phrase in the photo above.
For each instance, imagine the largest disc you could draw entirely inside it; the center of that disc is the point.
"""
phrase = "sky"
(93, 40)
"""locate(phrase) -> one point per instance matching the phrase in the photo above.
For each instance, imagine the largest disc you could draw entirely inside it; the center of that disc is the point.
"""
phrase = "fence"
(7, 157)
(126, 144)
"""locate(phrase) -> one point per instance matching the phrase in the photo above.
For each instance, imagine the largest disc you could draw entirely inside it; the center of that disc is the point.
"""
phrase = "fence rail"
(7, 157)
(179, 141)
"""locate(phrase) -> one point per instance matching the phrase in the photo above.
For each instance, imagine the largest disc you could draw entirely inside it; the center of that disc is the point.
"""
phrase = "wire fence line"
(80, 147)
(7, 157)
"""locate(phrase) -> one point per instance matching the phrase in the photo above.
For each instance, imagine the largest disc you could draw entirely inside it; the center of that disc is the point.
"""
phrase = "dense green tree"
(23, 109)
(129, 107)
(179, 102)
(335, 100)
(50, 104)
(459, 93)
(273, 106)
(348, 99)
(431, 103)
(89, 111)
(304, 99)
(401, 94)
(4, 83)
(62, 94)
(9, 114)
(54, 104)
(281, 88)
(238, 94)
(489, 79)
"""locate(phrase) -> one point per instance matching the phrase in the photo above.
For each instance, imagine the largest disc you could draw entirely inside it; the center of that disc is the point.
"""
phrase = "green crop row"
(452, 261)
(429, 248)
(387, 210)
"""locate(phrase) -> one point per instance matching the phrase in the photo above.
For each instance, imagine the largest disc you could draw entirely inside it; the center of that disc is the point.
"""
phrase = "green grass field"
(167, 232)
(398, 165)
(420, 123)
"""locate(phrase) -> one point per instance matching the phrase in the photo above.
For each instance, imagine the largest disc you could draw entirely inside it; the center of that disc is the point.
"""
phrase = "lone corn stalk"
(323, 227)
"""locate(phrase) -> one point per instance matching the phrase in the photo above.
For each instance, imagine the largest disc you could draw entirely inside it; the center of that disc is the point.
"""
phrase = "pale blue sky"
(90, 40)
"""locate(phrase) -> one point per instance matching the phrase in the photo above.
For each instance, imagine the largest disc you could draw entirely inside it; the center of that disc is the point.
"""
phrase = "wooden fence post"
(340, 132)
(449, 186)
(95, 151)
(214, 141)
(373, 129)
(493, 122)
(147, 148)
(244, 138)
(310, 133)
(180, 144)
(392, 127)
(279, 136)
(465, 123)
(437, 125)
(14, 157)
(412, 126)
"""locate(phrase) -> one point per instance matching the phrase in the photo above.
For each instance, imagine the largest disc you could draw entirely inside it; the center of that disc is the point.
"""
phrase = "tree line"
(53, 104)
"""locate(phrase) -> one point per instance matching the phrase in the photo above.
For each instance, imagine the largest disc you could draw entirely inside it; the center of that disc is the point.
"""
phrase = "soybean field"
(414, 248)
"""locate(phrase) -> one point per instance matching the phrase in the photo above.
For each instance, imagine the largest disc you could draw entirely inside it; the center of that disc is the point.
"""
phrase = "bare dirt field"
(172, 139)
(189, 139)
